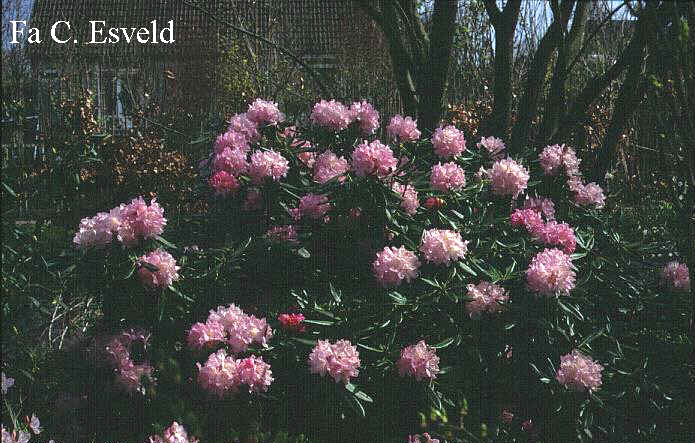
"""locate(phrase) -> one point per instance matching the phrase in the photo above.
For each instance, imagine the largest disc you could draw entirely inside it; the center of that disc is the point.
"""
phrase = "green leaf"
(165, 242)
(304, 253)
(444, 344)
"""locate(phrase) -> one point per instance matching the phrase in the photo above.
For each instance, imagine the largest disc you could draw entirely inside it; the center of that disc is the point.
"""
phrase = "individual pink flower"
(313, 206)
(427, 439)
(419, 361)
(408, 195)
(282, 234)
(556, 158)
(141, 219)
(530, 219)
(393, 265)
(254, 373)
(550, 272)
(176, 434)
(129, 375)
(404, 128)
(220, 374)
(14, 437)
(224, 183)
(339, 360)
(231, 161)
(329, 166)
(242, 124)
(486, 297)
(542, 205)
(448, 142)
(676, 276)
(264, 112)
(493, 145)
(231, 140)
(331, 114)
(590, 194)
(373, 158)
(447, 177)
(366, 115)
(292, 322)
(166, 272)
(267, 164)
(7, 383)
(205, 334)
(508, 177)
(93, 232)
(579, 372)
(34, 424)
(253, 200)
(557, 234)
(442, 246)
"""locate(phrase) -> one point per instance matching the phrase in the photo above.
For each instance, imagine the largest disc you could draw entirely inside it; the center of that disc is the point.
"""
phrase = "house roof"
(194, 31)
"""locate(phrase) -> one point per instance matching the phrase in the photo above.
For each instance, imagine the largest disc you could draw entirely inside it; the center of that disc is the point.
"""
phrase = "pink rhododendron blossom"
(166, 272)
(550, 272)
(373, 158)
(331, 114)
(34, 424)
(231, 161)
(313, 206)
(14, 437)
(447, 177)
(393, 265)
(425, 436)
(528, 218)
(442, 246)
(419, 361)
(129, 375)
(292, 322)
(231, 140)
(493, 145)
(264, 112)
(174, 434)
(242, 124)
(254, 373)
(220, 374)
(676, 276)
(487, 297)
(542, 205)
(556, 158)
(224, 183)
(240, 329)
(93, 232)
(448, 142)
(366, 115)
(328, 166)
(403, 128)
(267, 164)
(206, 334)
(579, 372)
(253, 200)
(7, 383)
(282, 234)
(339, 360)
(589, 194)
(557, 234)
(508, 177)
(408, 195)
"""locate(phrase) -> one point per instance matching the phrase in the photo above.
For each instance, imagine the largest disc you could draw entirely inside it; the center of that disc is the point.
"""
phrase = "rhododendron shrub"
(343, 267)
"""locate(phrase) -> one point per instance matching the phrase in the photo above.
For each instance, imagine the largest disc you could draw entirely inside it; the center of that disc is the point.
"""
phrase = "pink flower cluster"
(292, 322)
(530, 219)
(373, 158)
(339, 360)
(676, 276)
(555, 158)
(331, 114)
(264, 112)
(550, 272)
(231, 161)
(231, 140)
(173, 434)
(166, 272)
(419, 361)
(242, 124)
(427, 438)
(128, 222)
(442, 246)
(587, 194)
(129, 375)
(314, 206)
(222, 374)
(508, 177)
(494, 146)
(579, 372)
(223, 183)
(366, 115)
(447, 177)
(393, 265)
(267, 164)
(542, 205)
(404, 128)
(282, 234)
(408, 195)
(448, 142)
(486, 297)
(551, 233)
(232, 325)
(557, 234)
(329, 166)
